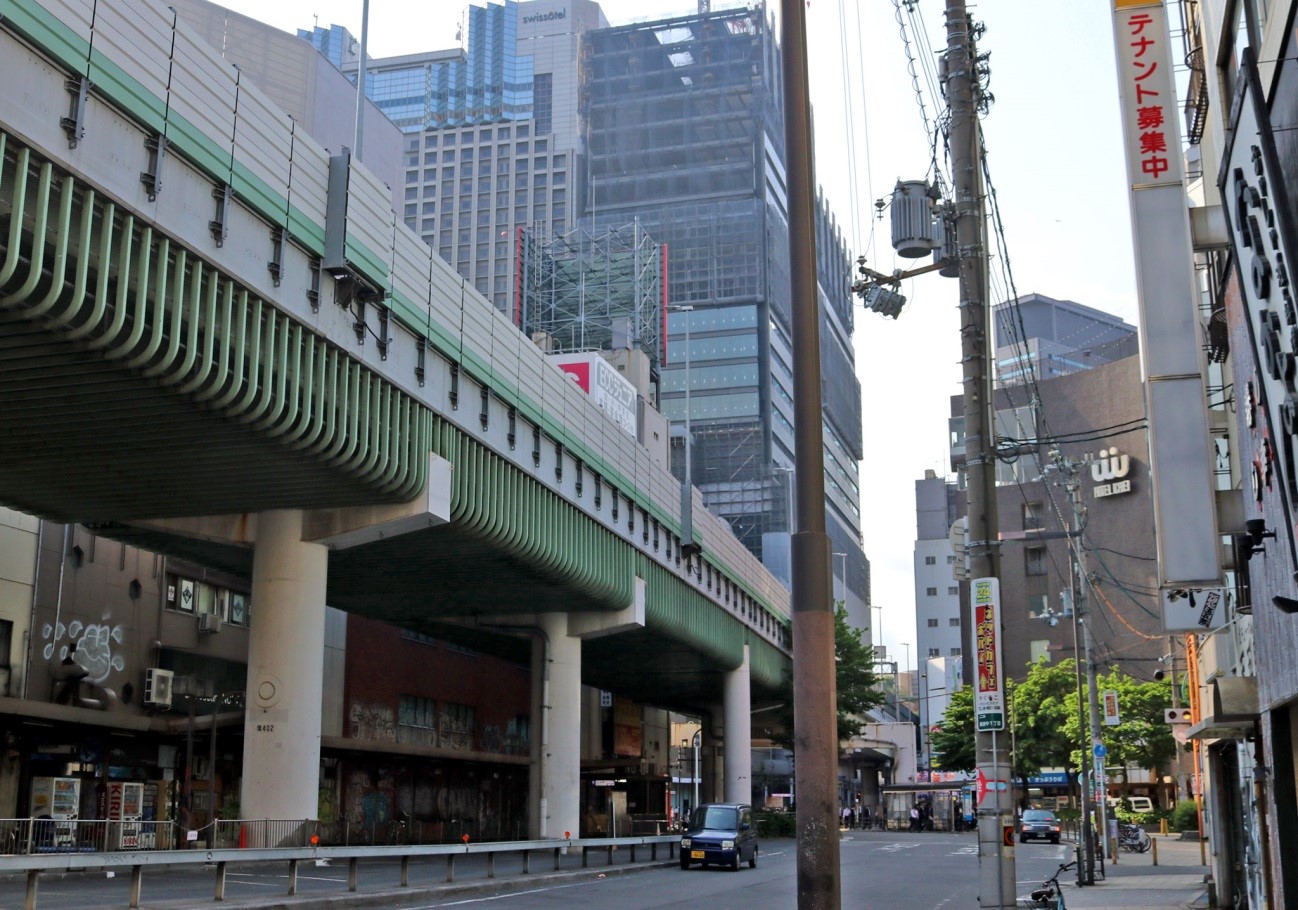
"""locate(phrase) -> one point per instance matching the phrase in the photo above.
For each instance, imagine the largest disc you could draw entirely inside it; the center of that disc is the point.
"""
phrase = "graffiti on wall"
(91, 646)
(373, 722)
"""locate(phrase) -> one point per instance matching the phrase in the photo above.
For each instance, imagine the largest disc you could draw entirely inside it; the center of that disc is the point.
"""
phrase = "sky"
(1053, 140)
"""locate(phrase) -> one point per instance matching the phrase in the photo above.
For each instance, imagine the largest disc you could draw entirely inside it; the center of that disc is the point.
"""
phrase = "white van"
(1132, 803)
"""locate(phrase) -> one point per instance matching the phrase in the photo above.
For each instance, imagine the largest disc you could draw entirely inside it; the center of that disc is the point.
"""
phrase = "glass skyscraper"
(493, 136)
(686, 135)
(549, 118)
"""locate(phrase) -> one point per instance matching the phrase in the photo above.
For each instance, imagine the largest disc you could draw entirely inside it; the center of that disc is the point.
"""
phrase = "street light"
(906, 645)
(698, 744)
(685, 744)
(926, 718)
(687, 483)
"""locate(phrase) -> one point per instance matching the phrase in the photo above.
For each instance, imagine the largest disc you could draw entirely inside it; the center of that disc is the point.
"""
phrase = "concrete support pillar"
(281, 736)
(737, 759)
(556, 724)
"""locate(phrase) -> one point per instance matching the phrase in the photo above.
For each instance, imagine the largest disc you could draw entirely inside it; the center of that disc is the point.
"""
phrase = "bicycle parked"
(1049, 896)
(1133, 838)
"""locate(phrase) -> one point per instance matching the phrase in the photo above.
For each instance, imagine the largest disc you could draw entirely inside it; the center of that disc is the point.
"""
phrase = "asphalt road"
(899, 871)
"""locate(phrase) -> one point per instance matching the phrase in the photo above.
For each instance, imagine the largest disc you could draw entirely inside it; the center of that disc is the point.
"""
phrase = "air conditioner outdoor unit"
(209, 622)
(157, 687)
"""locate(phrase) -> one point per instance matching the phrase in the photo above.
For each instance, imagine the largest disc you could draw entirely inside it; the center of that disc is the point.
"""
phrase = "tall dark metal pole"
(996, 880)
(815, 729)
(359, 139)
(1085, 838)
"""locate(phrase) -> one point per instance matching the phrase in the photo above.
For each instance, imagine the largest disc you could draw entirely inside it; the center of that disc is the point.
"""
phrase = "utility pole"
(996, 878)
(1070, 470)
(1097, 735)
(815, 727)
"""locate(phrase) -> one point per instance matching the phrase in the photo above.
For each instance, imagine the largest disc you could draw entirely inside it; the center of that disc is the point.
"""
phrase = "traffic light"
(1177, 715)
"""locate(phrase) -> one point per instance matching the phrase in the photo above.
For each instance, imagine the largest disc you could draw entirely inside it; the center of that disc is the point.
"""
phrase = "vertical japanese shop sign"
(989, 697)
(1153, 142)
(1264, 239)
(1110, 702)
(1179, 442)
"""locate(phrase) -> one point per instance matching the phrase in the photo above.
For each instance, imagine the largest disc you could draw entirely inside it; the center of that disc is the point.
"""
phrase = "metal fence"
(47, 835)
(23, 836)
(569, 854)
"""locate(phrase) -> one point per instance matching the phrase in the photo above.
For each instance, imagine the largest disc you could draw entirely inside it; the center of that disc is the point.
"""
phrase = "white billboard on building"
(601, 381)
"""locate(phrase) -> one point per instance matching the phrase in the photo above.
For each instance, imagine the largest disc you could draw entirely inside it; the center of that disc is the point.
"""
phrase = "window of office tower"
(542, 102)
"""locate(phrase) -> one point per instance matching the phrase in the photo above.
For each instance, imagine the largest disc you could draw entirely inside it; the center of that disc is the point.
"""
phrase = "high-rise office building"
(686, 137)
(550, 120)
(1043, 338)
(493, 134)
(939, 640)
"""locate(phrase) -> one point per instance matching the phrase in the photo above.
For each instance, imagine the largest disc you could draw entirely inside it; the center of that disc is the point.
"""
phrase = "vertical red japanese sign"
(1181, 455)
(1149, 100)
(989, 696)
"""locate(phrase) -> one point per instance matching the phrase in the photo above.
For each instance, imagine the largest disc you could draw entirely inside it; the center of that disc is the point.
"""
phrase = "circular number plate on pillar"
(1007, 835)
(267, 692)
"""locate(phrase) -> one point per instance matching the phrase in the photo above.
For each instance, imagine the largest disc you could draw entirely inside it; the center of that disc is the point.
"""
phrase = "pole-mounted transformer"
(914, 233)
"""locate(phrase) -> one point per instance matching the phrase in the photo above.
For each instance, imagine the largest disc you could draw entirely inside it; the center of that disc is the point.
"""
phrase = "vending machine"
(55, 804)
(155, 829)
(125, 809)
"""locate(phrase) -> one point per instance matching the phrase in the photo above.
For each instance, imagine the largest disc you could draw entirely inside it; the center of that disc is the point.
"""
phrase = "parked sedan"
(1038, 824)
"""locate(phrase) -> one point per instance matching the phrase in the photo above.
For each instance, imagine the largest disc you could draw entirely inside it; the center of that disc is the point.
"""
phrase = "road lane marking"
(500, 897)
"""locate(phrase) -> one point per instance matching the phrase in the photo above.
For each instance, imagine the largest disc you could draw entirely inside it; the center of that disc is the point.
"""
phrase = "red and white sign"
(989, 691)
(982, 785)
(601, 381)
(1149, 108)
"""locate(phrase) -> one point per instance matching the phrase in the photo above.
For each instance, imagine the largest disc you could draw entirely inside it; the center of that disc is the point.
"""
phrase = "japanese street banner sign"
(1111, 708)
(1149, 108)
(989, 694)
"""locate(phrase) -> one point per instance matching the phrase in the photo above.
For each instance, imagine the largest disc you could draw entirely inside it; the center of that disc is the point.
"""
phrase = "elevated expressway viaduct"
(218, 341)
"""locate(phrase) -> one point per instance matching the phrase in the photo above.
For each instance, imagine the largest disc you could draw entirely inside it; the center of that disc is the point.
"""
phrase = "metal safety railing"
(569, 854)
(30, 836)
(34, 836)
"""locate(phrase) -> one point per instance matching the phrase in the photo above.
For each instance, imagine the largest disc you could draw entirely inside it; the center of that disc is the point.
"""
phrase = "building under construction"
(685, 136)
(585, 291)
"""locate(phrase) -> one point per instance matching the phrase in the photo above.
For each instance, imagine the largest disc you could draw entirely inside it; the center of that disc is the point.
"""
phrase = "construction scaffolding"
(589, 291)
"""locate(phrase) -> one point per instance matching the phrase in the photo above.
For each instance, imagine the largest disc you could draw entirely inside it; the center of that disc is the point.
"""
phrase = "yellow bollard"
(1203, 854)
(1162, 826)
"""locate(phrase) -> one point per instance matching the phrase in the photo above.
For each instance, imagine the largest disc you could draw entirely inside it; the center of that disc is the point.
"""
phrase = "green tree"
(1045, 728)
(1042, 707)
(854, 678)
(952, 741)
(1142, 738)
